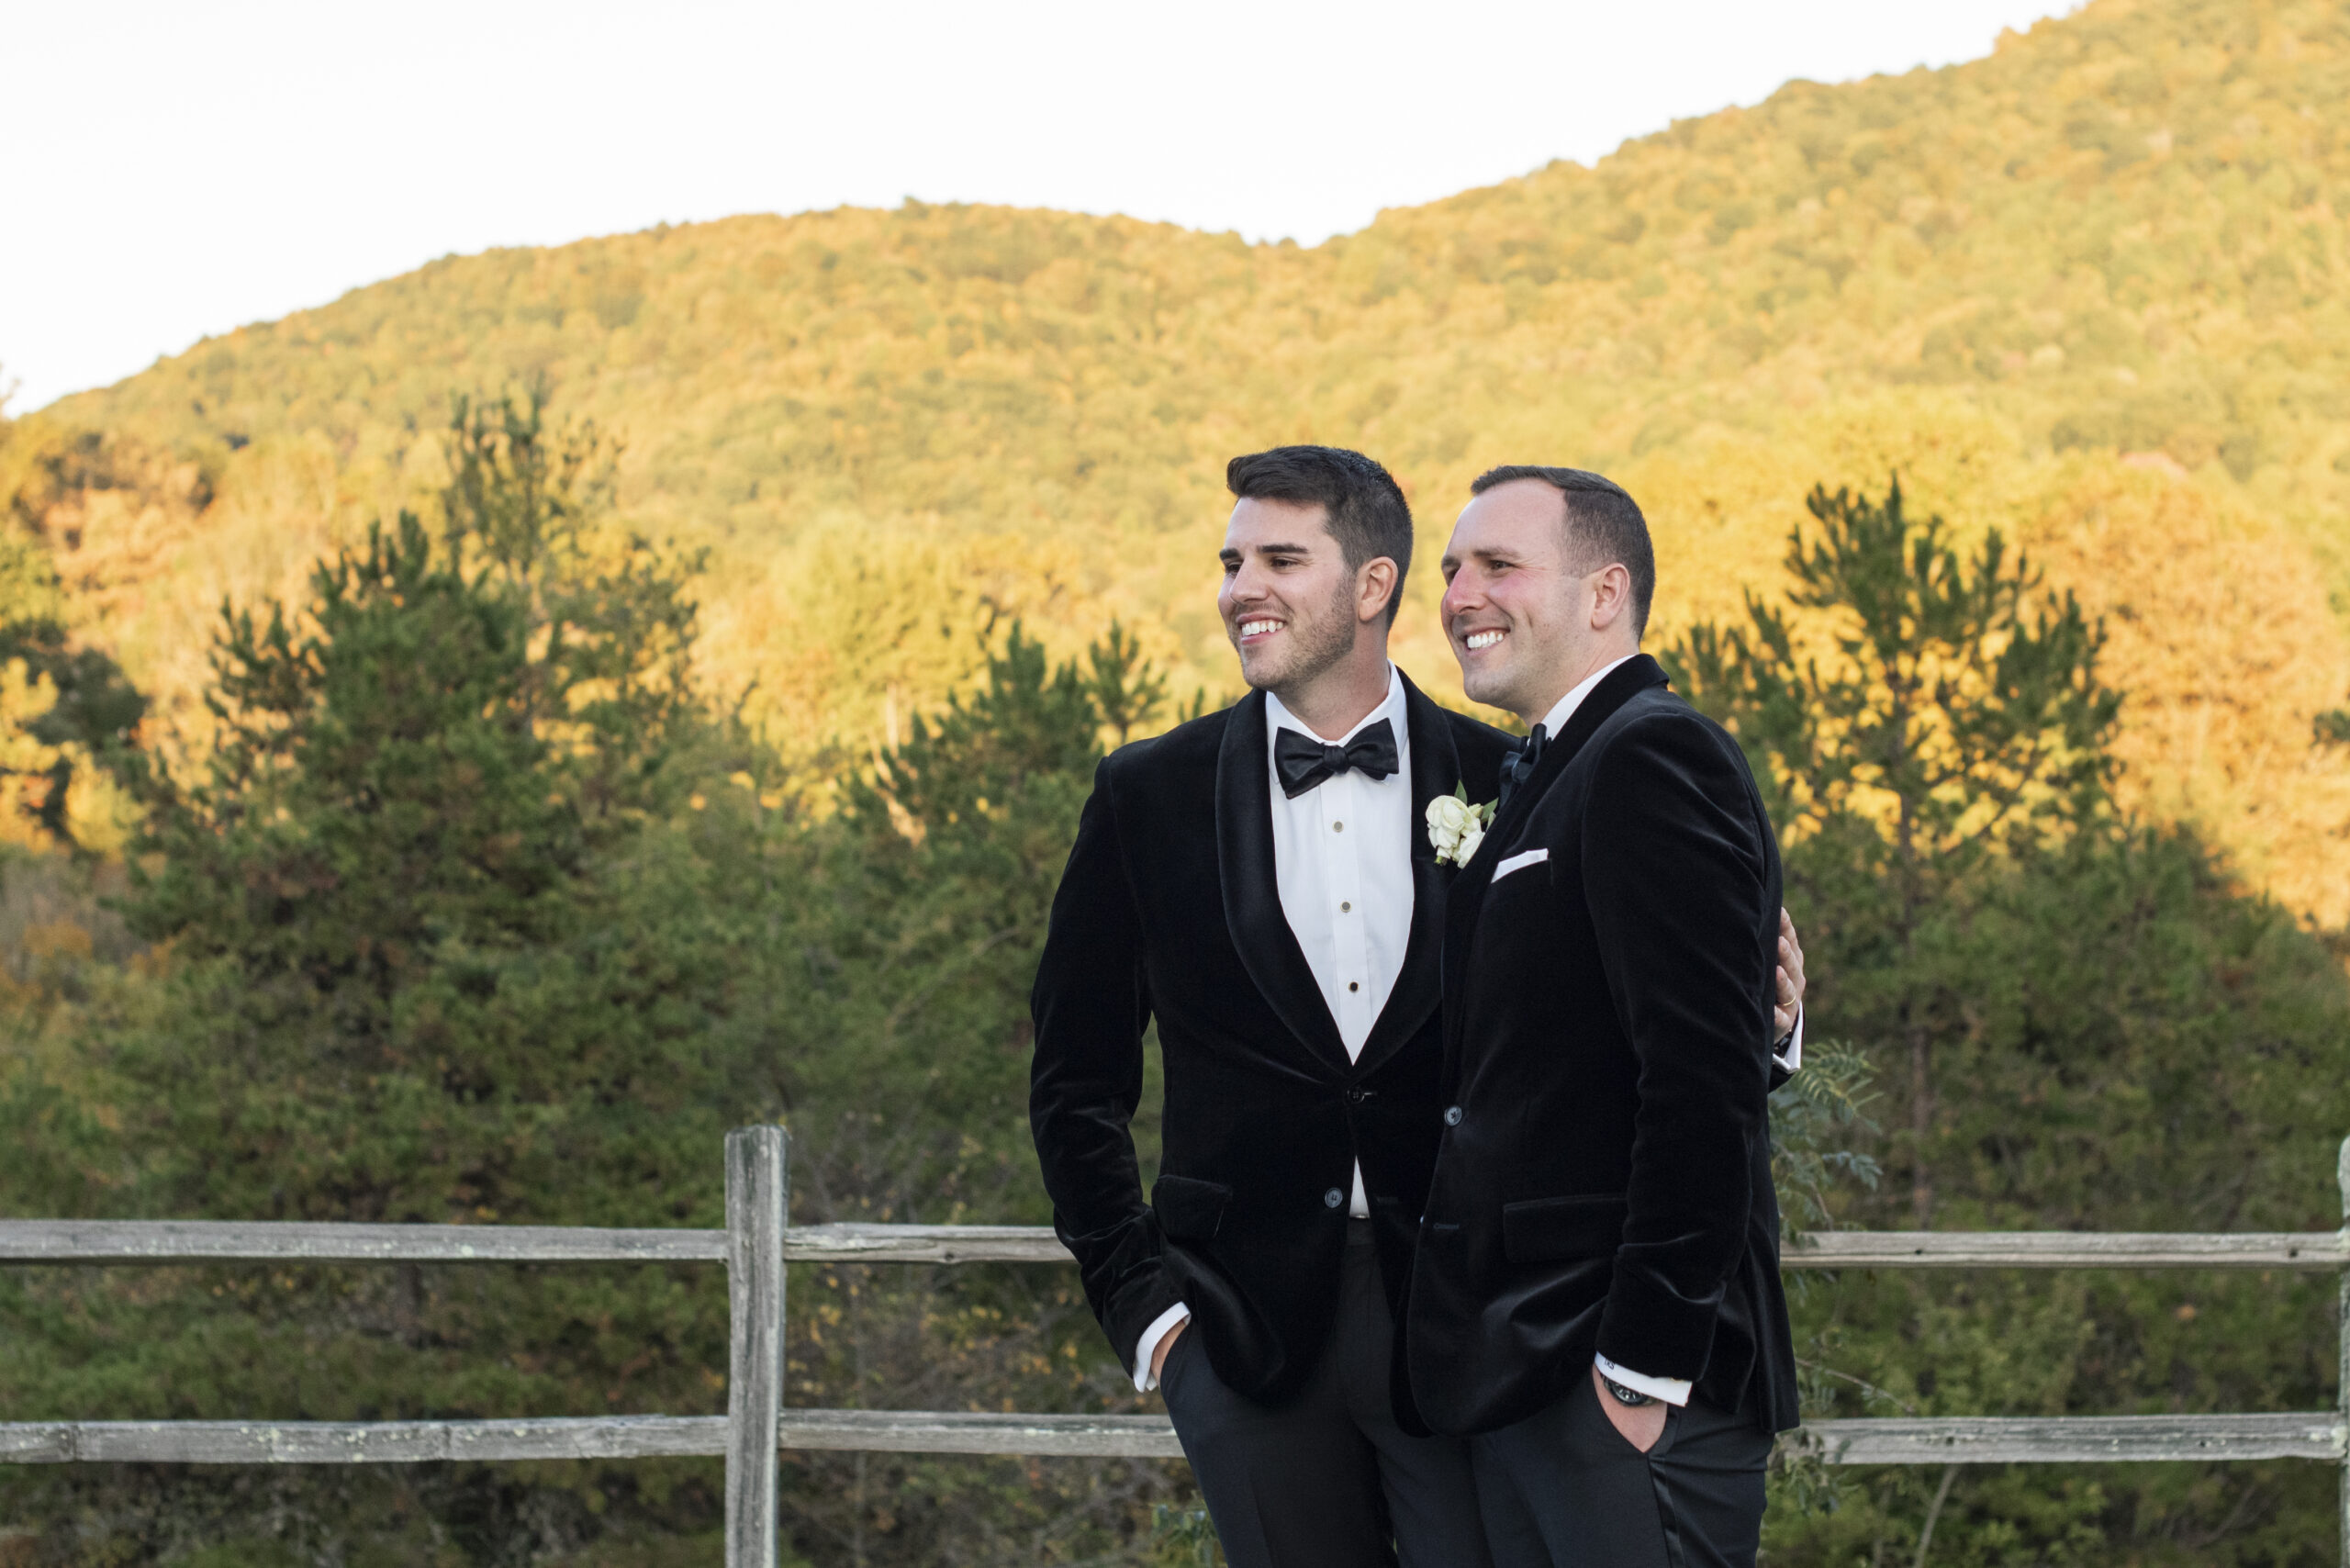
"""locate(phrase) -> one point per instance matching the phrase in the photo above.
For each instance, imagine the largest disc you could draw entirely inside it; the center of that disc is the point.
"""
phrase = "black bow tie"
(1518, 765)
(1303, 762)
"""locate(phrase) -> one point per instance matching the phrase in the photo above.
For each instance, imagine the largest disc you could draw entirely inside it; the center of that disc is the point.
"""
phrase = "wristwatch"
(1631, 1397)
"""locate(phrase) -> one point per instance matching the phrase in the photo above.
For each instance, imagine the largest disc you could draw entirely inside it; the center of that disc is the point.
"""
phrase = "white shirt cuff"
(1671, 1390)
(1790, 1058)
(1147, 1347)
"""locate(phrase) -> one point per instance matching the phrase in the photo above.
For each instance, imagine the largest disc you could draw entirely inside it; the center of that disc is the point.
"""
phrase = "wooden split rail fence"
(756, 1245)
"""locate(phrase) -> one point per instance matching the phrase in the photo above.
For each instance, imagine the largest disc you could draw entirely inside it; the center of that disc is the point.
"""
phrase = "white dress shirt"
(1342, 861)
(1342, 856)
(1671, 1390)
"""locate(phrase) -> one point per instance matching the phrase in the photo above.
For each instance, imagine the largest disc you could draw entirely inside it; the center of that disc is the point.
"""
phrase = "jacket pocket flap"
(1189, 1209)
(1543, 1228)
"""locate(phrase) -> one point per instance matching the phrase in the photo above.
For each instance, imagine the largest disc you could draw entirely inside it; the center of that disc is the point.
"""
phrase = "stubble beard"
(1316, 648)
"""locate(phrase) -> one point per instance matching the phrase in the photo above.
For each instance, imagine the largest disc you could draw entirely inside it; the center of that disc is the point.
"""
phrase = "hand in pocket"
(1638, 1425)
(1165, 1344)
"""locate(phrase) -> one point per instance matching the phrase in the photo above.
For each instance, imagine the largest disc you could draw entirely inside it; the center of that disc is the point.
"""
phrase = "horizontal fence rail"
(359, 1442)
(757, 1243)
(226, 1241)
(1948, 1439)
(200, 1241)
(2316, 1251)
(2071, 1440)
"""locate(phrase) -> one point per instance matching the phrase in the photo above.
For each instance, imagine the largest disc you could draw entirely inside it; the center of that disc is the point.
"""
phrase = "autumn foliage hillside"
(2093, 289)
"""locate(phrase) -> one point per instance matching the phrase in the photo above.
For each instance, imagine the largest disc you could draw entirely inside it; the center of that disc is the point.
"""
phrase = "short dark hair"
(1602, 518)
(1369, 516)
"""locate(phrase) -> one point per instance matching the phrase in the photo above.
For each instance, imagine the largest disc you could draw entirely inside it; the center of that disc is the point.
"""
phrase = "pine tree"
(1915, 710)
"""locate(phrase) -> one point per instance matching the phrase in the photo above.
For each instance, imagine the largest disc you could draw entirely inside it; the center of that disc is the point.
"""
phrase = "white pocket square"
(1520, 862)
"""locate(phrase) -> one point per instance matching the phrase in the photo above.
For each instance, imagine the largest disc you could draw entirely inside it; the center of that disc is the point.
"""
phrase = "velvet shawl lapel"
(1252, 893)
(1466, 896)
(1419, 987)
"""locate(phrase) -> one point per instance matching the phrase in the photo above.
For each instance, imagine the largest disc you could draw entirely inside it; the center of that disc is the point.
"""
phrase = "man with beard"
(1257, 883)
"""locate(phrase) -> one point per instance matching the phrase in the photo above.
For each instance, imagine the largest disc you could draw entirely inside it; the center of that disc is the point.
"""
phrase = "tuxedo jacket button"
(1333, 1198)
(1452, 1116)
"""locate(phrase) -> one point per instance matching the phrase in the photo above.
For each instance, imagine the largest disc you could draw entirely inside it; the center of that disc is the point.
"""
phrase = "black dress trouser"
(1563, 1489)
(1327, 1479)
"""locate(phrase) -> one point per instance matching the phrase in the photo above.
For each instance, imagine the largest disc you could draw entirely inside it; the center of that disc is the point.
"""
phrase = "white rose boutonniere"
(1456, 827)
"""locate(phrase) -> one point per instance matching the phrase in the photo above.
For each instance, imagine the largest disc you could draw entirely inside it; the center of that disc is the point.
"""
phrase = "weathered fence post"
(755, 1210)
(2342, 1386)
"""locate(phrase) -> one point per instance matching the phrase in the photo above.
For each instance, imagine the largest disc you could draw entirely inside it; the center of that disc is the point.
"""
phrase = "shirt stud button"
(1333, 1198)
(1354, 985)
(1452, 1116)
(1345, 908)
(1338, 827)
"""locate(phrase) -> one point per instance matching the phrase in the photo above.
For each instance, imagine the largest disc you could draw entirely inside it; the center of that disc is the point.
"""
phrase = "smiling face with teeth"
(1306, 627)
(1526, 624)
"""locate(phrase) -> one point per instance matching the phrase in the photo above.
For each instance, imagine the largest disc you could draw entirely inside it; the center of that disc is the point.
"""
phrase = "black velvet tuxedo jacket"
(1170, 910)
(1603, 1182)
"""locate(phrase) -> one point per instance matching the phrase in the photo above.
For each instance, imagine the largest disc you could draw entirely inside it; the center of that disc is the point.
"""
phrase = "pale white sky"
(179, 169)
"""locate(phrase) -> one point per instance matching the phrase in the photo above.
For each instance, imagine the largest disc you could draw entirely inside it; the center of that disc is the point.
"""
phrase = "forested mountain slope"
(2090, 289)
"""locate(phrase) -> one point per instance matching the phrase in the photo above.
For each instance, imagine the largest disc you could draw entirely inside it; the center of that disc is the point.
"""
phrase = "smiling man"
(1258, 884)
(1255, 883)
(1595, 1301)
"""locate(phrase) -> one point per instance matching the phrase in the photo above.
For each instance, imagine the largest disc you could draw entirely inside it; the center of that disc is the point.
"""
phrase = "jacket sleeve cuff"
(1650, 1325)
(1147, 1345)
(1671, 1390)
(1140, 1297)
